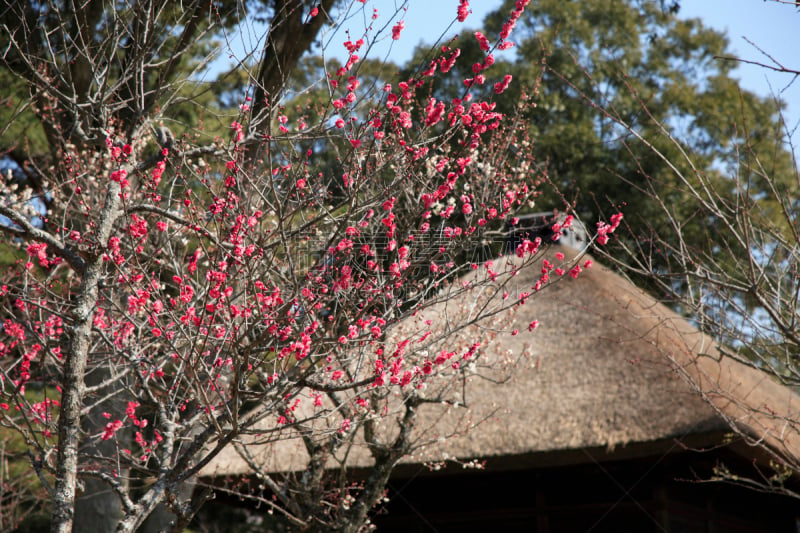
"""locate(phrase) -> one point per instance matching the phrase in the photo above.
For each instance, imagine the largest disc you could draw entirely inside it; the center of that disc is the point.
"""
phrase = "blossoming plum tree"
(180, 287)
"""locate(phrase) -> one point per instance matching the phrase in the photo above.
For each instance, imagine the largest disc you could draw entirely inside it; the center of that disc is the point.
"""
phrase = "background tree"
(180, 288)
(721, 239)
(635, 110)
(585, 59)
(740, 284)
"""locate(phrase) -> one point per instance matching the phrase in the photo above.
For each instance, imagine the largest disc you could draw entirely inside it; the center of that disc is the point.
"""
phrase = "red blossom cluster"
(275, 283)
(397, 28)
(604, 229)
(463, 10)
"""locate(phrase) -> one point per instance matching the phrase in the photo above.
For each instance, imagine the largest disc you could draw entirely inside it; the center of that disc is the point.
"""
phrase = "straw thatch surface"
(607, 366)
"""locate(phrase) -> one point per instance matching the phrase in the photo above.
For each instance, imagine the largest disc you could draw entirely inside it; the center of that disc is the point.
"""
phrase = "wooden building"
(615, 419)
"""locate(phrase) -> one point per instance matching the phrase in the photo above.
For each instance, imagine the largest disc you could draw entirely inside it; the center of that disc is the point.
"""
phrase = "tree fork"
(73, 385)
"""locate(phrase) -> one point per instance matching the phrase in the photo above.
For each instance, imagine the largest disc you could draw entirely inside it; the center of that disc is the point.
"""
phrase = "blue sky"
(773, 26)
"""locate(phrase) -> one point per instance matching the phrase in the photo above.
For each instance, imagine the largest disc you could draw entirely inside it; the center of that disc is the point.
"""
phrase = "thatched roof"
(607, 366)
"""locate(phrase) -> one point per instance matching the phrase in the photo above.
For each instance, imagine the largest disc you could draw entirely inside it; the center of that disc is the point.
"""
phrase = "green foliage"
(23, 498)
(182, 40)
(21, 130)
(596, 69)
